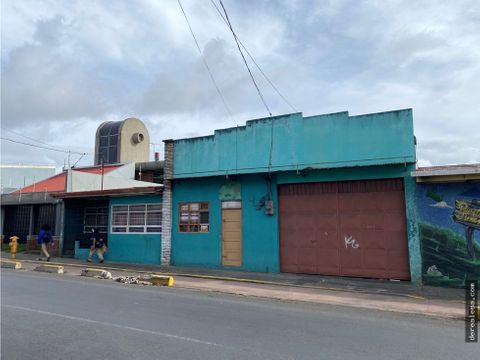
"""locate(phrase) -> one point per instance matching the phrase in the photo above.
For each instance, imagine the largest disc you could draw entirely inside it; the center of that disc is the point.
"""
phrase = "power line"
(206, 64)
(26, 137)
(253, 60)
(80, 158)
(41, 142)
(43, 147)
(30, 163)
(244, 60)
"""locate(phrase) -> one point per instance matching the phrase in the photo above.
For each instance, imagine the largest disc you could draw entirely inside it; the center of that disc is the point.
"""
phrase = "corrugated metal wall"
(351, 228)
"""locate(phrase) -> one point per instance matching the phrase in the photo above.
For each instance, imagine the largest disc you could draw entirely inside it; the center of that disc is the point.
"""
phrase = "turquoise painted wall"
(135, 248)
(293, 148)
(294, 142)
(259, 231)
(197, 249)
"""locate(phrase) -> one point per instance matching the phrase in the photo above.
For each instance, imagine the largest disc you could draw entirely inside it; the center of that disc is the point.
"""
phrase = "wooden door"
(232, 237)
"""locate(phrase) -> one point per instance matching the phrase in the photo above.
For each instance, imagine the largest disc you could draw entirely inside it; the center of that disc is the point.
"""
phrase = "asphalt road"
(59, 317)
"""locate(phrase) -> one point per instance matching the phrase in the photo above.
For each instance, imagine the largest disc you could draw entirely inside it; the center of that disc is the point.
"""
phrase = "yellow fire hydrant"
(13, 246)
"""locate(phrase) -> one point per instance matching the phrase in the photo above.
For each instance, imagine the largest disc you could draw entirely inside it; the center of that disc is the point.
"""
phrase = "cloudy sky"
(67, 66)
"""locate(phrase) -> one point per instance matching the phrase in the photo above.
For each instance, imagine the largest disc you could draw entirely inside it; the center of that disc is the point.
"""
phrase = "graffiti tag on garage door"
(349, 240)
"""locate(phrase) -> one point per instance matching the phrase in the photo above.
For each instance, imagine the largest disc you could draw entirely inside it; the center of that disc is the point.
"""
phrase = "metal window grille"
(17, 222)
(95, 217)
(45, 215)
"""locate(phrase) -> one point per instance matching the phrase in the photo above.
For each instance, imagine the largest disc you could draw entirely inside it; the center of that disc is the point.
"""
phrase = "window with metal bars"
(17, 222)
(194, 217)
(138, 218)
(108, 143)
(95, 217)
(45, 215)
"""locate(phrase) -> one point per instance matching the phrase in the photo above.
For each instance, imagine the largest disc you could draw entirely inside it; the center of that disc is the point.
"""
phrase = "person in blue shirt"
(44, 238)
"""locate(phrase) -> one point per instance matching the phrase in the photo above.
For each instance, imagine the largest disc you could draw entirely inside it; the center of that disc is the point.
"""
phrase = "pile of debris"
(131, 280)
(145, 279)
(104, 275)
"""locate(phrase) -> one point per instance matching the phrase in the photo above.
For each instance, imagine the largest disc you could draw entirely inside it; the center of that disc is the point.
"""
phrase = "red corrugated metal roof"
(56, 183)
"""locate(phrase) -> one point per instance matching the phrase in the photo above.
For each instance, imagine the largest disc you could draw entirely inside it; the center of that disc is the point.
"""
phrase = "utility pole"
(101, 162)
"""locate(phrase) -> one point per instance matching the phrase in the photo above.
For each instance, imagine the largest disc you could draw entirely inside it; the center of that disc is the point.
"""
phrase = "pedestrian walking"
(44, 238)
(97, 245)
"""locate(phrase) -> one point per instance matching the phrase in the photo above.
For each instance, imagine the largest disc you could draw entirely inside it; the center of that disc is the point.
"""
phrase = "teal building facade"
(282, 194)
(130, 224)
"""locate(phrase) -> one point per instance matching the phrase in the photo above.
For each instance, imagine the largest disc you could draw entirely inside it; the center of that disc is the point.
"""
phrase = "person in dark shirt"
(97, 245)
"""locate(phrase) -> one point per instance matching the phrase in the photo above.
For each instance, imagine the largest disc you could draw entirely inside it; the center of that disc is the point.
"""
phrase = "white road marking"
(151, 332)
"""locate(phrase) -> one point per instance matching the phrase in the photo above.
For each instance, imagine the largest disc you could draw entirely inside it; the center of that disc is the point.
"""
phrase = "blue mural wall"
(449, 227)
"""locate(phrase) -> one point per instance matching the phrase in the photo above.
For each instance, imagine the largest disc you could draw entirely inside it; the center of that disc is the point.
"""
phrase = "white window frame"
(127, 226)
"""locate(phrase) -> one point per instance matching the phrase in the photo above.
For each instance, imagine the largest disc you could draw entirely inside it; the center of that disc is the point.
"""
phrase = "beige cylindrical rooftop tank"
(122, 142)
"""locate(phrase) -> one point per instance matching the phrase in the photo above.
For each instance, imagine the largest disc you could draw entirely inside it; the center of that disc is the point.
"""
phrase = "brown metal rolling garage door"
(351, 228)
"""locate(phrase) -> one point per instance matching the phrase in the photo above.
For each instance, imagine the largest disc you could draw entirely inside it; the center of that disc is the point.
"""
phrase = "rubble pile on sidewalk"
(122, 279)
(130, 280)
(107, 275)
(104, 275)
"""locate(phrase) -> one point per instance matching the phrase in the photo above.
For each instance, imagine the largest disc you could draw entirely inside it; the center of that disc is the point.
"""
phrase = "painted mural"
(449, 232)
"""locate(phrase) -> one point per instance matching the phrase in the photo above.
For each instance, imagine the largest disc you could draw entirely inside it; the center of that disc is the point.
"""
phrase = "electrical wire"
(27, 137)
(31, 163)
(253, 60)
(206, 64)
(80, 158)
(54, 148)
(43, 147)
(244, 60)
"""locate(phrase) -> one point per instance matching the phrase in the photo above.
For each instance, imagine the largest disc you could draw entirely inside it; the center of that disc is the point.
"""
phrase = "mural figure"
(468, 214)
(449, 215)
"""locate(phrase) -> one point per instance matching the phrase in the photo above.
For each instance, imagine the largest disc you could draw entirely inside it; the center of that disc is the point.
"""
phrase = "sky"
(69, 65)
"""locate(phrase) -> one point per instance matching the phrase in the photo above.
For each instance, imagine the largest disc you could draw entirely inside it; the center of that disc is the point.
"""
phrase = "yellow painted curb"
(252, 281)
(11, 264)
(53, 269)
(158, 280)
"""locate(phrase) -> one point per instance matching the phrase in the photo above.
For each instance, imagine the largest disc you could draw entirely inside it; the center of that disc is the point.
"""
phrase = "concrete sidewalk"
(362, 293)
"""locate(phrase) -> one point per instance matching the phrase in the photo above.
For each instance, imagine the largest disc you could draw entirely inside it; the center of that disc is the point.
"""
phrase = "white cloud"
(69, 65)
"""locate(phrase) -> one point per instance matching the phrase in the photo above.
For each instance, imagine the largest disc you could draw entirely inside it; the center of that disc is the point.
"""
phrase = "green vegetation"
(20, 247)
(448, 252)
(434, 196)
